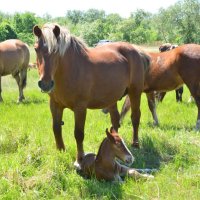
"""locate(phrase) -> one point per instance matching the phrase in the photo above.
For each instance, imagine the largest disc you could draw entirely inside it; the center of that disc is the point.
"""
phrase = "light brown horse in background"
(168, 71)
(78, 77)
(104, 166)
(14, 59)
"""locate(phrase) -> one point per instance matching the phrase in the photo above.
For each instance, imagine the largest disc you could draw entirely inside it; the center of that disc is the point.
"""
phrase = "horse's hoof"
(136, 145)
(155, 123)
(77, 165)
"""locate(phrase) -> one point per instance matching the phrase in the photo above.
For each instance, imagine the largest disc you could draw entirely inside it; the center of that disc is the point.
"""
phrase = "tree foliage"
(178, 23)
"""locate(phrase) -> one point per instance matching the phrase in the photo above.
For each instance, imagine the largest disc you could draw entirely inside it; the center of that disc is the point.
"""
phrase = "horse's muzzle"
(46, 87)
(129, 159)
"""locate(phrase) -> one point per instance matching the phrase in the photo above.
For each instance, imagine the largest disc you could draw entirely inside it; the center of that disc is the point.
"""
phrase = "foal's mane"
(101, 145)
(63, 42)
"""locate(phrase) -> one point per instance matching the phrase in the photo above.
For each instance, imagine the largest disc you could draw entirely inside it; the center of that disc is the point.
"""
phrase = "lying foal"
(103, 166)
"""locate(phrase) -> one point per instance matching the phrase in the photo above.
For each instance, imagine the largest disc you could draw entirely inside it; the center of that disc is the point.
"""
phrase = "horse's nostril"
(52, 84)
(40, 84)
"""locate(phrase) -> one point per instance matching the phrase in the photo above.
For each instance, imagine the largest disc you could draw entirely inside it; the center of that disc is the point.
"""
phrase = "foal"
(103, 166)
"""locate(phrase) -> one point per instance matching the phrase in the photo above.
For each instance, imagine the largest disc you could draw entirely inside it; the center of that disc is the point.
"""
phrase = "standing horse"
(78, 77)
(14, 59)
(168, 71)
(179, 91)
(103, 166)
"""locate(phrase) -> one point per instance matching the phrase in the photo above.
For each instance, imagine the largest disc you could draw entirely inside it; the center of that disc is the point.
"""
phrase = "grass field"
(32, 168)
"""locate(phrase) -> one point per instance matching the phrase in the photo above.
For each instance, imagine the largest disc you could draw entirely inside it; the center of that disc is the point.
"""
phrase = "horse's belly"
(162, 83)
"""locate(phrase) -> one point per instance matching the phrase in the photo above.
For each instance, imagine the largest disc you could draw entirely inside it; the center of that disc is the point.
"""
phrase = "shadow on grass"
(34, 101)
(101, 189)
(151, 155)
(172, 127)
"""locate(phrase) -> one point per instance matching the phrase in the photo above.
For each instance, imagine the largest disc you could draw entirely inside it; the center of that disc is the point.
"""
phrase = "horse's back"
(14, 55)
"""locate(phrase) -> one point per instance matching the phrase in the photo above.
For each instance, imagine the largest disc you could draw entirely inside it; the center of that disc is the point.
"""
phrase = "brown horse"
(78, 77)
(14, 59)
(103, 166)
(168, 71)
(179, 91)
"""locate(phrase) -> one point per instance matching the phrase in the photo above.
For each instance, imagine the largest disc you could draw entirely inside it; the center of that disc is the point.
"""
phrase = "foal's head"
(118, 146)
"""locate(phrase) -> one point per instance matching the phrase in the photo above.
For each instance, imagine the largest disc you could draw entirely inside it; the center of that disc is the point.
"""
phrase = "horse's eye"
(118, 144)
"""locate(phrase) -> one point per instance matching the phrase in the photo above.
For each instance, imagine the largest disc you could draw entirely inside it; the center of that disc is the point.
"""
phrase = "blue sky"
(59, 7)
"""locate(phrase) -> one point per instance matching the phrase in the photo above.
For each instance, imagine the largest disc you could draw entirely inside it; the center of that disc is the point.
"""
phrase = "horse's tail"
(146, 60)
(24, 77)
(25, 66)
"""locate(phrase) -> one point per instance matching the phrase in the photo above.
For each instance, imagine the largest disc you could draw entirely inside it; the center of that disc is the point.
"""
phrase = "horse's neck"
(105, 156)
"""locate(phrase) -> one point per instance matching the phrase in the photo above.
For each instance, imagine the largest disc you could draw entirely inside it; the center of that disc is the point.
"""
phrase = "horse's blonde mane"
(64, 41)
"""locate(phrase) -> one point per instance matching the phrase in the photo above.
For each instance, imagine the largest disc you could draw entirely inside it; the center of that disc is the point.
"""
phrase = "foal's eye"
(118, 144)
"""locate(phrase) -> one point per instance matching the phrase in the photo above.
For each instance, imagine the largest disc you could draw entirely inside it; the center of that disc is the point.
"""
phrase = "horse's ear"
(37, 31)
(56, 31)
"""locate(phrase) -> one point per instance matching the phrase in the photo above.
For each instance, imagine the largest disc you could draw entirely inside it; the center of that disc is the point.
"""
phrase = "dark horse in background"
(179, 91)
(14, 59)
(78, 77)
(168, 71)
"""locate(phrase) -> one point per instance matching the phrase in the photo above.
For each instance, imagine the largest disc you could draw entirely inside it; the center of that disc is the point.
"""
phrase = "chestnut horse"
(78, 77)
(168, 71)
(14, 59)
(103, 166)
(179, 91)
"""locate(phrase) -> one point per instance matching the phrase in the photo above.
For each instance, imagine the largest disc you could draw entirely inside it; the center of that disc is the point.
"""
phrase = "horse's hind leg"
(135, 97)
(18, 80)
(114, 116)
(125, 108)
(152, 107)
(195, 92)
(1, 99)
(57, 113)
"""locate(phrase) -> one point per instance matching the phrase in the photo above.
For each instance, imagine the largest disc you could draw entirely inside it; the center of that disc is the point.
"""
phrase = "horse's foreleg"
(125, 108)
(152, 107)
(80, 116)
(57, 113)
(135, 97)
(1, 99)
(114, 116)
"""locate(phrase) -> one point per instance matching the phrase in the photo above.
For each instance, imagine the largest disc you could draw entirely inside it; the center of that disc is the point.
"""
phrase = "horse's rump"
(14, 56)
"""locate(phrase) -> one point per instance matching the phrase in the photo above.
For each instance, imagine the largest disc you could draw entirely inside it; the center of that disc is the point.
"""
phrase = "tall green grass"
(32, 168)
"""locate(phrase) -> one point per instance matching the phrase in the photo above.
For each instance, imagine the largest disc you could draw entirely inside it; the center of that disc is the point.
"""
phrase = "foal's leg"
(1, 99)
(125, 108)
(152, 107)
(114, 116)
(57, 113)
(123, 171)
(80, 116)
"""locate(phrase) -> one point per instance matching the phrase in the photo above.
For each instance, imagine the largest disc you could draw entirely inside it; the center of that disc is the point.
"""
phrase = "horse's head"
(167, 47)
(46, 49)
(119, 147)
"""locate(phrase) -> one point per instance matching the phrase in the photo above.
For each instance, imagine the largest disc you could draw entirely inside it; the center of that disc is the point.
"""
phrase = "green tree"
(7, 31)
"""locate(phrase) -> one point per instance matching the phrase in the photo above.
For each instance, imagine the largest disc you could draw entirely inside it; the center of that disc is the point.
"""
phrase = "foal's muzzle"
(129, 159)
(46, 87)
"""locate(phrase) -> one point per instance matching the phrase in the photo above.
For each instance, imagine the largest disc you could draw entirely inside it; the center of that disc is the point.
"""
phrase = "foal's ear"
(112, 130)
(110, 136)
(56, 31)
(37, 31)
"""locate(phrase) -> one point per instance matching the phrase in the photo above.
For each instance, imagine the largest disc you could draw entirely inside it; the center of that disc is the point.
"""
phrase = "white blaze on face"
(130, 156)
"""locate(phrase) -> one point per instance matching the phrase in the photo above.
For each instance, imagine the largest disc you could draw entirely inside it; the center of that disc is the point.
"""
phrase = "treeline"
(178, 24)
